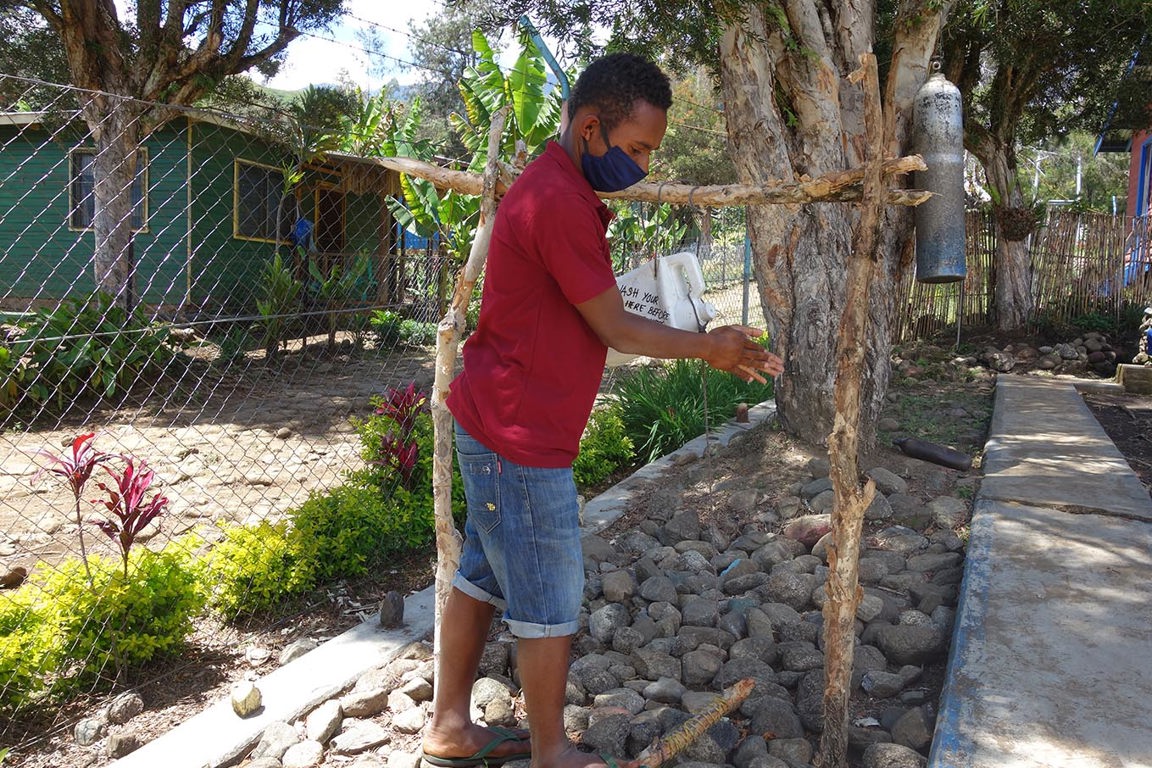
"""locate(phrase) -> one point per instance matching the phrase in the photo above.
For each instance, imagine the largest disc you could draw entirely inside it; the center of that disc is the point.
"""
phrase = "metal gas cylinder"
(938, 136)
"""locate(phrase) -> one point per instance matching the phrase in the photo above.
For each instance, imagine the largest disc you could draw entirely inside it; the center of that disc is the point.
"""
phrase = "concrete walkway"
(1052, 656)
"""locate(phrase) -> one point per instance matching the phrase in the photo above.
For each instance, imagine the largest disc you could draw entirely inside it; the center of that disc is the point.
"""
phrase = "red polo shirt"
(533, 366)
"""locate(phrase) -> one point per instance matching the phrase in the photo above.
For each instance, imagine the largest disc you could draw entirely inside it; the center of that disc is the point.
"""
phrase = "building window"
(82, 190)
(256, 200)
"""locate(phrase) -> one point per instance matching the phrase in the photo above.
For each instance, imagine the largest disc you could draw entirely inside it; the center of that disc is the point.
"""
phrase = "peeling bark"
(451, 327)
(849, 500)
(791, 113)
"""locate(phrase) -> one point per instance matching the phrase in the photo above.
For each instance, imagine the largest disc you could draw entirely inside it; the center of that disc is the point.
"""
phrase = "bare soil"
(1127, 419)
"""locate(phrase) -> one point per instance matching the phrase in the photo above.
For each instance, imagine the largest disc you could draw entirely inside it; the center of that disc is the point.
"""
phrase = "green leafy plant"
(29, 649)
(280, 295)
(344, 532)
(642, 232)
(58, 635)
(485, 88)
(86, 347)
(335, 289)
(397, 440)
(392, 328)
(126, 620)
(235, 342)
(397, 445)
(665, 406)
(12, 374)
(604, 447)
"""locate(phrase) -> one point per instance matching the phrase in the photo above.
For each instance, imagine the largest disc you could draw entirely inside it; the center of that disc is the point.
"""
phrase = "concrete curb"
(218, 737)
(952, 745)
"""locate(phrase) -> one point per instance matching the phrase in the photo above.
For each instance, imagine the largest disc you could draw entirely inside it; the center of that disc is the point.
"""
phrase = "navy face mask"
(612, 171)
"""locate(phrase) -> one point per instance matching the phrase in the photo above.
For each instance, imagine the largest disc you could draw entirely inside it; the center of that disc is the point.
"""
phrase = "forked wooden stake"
(664, 749)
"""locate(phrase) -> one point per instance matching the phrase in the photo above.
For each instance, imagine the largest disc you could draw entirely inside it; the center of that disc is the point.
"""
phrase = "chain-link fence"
(250, 364)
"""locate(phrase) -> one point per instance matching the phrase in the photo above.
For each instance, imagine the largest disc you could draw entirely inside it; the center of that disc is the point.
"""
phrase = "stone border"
(218, 737)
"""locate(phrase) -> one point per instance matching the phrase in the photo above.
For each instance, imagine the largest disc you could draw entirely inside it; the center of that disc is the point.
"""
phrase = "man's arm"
(728, 348)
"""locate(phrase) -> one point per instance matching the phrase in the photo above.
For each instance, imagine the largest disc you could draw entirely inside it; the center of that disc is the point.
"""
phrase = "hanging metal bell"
(938, 136)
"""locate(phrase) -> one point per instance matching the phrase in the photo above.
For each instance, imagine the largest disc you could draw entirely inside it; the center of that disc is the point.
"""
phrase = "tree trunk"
(1014, 223)
(116, 130)
(800, 252)
(791, 116)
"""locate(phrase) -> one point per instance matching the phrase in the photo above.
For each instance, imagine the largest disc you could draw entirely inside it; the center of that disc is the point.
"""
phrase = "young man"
(531, 372)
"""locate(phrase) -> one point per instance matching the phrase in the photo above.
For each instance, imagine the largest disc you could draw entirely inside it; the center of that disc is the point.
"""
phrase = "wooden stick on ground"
(447, 343)
(674, 743)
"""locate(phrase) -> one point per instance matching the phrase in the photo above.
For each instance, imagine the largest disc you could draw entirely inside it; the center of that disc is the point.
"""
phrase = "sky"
(312, 60)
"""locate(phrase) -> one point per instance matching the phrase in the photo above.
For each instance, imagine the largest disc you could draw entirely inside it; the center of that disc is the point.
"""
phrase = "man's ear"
(586, 124)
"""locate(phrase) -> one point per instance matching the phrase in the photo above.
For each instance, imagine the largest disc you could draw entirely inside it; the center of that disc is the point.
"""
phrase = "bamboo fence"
(1083, 264)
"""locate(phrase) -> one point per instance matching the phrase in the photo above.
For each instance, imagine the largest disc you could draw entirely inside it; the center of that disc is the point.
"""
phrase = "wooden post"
(849, 499)
(447, 342)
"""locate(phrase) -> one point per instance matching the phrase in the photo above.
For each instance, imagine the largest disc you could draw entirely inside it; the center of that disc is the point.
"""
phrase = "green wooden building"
(208, 202)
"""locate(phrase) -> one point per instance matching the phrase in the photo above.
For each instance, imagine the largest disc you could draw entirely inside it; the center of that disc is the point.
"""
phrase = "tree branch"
(841, 186)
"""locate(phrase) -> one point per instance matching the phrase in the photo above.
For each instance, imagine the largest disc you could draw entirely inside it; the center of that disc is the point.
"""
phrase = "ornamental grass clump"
(665, 406)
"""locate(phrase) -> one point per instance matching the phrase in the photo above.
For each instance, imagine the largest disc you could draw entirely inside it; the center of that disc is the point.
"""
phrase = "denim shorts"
(522, 548)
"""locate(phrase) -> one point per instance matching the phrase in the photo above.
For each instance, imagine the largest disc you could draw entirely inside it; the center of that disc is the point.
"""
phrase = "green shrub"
(87, 348)
(346, 531)
(254, 569)
(392, 329)
(121, 622)
(59, 635)
(384, 508)
(604, 447)
(29, 650)
(664, 407)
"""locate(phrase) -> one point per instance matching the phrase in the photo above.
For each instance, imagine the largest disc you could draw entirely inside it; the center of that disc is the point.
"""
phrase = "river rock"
(275, 741)
(911, 644)
(296, 649)
(123, 743)
(246, 698)
(323, 722)
(359, 736)
(305, 754)
(887, 481)
(366, 703)
(125, 707)
(892, 756)
(913, 729)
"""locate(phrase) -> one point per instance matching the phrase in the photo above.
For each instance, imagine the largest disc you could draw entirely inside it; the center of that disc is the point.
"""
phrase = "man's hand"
(735, 350)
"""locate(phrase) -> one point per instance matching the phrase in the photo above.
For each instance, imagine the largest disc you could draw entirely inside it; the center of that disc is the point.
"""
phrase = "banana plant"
(485, 89)
(335, 290)
(368, 125)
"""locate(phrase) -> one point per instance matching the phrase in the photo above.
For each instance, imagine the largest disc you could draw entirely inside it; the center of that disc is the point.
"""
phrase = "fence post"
(747, 273)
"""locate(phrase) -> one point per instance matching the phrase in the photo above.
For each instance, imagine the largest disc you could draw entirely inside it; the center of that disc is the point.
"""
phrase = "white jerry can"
(669, 290)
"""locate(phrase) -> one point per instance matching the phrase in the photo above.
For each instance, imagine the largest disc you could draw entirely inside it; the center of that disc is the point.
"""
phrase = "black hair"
(613, 83)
